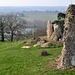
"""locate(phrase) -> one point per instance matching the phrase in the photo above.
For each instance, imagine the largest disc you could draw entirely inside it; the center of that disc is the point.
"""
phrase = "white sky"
(36, 2)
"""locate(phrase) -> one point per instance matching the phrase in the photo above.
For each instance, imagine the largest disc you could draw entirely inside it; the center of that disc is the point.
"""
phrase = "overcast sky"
(36, 2)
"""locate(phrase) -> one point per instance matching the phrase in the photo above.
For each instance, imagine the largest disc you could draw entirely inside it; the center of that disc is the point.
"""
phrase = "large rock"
(56, 34)
(43, 53)
(68, 52)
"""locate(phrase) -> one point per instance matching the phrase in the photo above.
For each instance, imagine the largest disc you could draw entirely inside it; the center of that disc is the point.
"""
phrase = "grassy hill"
(17, 61)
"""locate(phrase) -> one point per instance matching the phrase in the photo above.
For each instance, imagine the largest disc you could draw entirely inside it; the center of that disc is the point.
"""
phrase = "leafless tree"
(2, 27)
(14, 25)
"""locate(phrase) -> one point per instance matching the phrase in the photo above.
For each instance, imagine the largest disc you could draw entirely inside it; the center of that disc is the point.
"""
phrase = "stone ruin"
(53, 32)
(49, 29)
(67, 59)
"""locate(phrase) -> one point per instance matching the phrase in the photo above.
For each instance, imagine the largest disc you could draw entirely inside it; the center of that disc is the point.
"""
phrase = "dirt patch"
(52, 64)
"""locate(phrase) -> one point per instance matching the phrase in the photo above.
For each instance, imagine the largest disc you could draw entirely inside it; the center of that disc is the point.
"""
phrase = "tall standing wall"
(67, 58)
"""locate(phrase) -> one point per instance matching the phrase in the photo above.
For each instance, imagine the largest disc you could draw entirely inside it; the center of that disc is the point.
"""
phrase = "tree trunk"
(2, 33)
(11, 35)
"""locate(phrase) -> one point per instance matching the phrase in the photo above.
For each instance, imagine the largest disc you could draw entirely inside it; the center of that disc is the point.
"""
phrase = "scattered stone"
(60, 40)
(38, 44)
(48, 44)
(43, 53)
(41, 42)
(32, 41)
(44, 45)
(25, 47)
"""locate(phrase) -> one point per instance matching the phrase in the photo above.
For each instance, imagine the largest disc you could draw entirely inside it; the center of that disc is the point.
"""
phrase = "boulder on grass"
(43, 53)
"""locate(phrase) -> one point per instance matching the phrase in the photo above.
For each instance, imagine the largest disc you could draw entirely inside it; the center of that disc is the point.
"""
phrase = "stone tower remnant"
(49, 29)
(67, 58)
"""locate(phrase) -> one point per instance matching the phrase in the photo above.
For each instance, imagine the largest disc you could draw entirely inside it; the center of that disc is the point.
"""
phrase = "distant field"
(40, 16)
(35, 16)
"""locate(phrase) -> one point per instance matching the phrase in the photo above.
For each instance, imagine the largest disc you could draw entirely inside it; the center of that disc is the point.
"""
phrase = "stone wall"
(68, 51)
(53, 32)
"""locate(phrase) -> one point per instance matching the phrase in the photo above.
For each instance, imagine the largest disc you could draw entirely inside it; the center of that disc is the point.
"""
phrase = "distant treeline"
(22, 13)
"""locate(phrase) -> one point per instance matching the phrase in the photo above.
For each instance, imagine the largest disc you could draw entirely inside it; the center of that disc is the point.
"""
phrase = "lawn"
(17, 61)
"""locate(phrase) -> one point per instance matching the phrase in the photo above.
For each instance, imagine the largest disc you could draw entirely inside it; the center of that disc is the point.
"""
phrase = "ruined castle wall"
(68, 52)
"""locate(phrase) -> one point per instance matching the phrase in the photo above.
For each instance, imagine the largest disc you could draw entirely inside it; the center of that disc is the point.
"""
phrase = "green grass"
(17, 61)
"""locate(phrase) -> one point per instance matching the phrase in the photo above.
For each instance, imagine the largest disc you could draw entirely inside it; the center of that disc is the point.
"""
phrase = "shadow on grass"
(49, 54)
(46, 55)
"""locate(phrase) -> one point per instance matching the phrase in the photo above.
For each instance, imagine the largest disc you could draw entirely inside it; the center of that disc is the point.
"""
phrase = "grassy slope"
(17, 61)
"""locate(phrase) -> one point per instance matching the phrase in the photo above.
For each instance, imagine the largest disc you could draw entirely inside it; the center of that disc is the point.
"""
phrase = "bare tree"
(2, 27)
(14, 24)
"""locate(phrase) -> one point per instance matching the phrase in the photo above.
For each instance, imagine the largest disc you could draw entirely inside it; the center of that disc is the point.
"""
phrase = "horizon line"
(31, 6)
